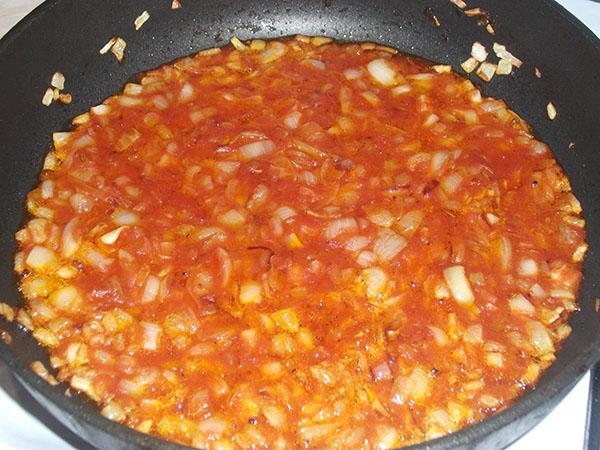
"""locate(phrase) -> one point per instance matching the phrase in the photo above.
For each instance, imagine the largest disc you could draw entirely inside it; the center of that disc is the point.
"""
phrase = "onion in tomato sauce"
(300, 243)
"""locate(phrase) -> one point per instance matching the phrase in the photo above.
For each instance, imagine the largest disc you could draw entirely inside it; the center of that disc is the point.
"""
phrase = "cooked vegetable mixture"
(300, 243)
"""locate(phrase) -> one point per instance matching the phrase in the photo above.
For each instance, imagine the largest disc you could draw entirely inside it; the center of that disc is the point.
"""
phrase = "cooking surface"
(21, 430)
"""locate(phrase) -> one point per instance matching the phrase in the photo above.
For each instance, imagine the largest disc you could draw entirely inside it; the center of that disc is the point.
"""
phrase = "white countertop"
(25, 426)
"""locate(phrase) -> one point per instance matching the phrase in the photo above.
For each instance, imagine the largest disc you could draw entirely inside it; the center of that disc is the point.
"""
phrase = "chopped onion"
(257, 149)
(285, 213)
(70, 240)
(250, 292)
(341, 226)
(366, 258)
(503, 54)
(124, 217)
(186, 93)
(352, 74)
(438, 335)
(459, 285)
(527, 268)
(381, 217)
(274, 51)
(479, 52)
(520, 305)
(382, 371)
(41, 259)
(151, 335)
(469, 65)
(539, 337)
(413, 387)
(151, 289)
(381, 70)
(486, 71)
(112, 236)
(292, 120)
(232, 218)
(504, 67)
(388, 245)
(451, 183)
(65, 298)
(375, 280)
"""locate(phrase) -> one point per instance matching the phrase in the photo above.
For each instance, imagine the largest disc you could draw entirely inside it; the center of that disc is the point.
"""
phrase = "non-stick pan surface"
(65, 35)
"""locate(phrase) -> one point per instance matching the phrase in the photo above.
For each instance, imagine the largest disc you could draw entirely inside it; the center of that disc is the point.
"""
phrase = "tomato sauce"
(301, 243)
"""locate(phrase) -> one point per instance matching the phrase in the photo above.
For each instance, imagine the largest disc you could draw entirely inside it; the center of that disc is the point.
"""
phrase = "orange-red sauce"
(285, 222)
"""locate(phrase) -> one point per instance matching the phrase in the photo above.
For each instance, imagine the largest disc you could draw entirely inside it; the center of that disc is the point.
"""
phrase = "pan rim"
(527, 404)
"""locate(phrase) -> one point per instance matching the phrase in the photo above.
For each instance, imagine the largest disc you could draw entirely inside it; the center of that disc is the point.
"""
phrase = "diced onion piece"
(141, 20)
(579, 252)
(352, 74)
(479, 52)
(505, 253)
(124, 217)
(285, 213)
(492, 219)
(375, 280)
(551, 110)
(413, 387)
(118, 49)
(275, 416)
(48, 97)
(540, 338)
(151, 289)
(382, 371)
(469, 65)
(502, 53)
(382, 72)
(401, 89)
(527, 268)
(107, 46)
(250, 292)
(70, 240)
(442, 68)
(58, 81)
(100, 110)
(317, 41)
(410, 221)
(439, 336)
(388, 245)
(451, 183)
(366, 259)
(459, 285)
(504, 67)
(474, 334)
(286, 319)
(486, 71)
(256, 149)
(232, 218)
(186, 93)
(293, 242)
(41, 259)
(65, 298)
(114, 412)
(460, 3)
(520, 305)
(112, 236)
(381, 217)
(292, 120)
(274, 51)
(340, 226)
(151, 335)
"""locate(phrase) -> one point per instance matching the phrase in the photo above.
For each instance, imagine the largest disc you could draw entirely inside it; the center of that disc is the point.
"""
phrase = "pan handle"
(592, 425)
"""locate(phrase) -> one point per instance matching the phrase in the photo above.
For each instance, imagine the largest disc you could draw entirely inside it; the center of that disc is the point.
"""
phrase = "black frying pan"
(66, 35)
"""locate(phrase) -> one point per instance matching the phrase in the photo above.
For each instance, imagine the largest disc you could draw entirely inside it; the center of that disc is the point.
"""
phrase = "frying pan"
(65, 35)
